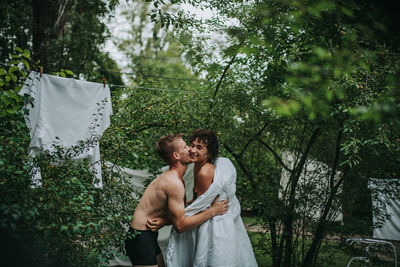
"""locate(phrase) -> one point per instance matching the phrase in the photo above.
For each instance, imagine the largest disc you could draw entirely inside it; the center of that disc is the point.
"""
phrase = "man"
(164, 198)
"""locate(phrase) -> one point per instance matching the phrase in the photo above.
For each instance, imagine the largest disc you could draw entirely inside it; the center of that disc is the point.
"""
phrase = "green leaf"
(15, 216)
(12, 69)
(25, 63)
(13, 77)
(23, 73)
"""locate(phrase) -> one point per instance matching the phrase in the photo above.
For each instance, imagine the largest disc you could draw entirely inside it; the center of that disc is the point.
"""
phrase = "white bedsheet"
(63, 111)
(220, 241)
(385, 201)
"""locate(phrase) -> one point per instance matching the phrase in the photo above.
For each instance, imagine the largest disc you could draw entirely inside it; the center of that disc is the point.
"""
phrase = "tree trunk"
(288, 220)
(48, 18)
(276, 260)
(319, 233)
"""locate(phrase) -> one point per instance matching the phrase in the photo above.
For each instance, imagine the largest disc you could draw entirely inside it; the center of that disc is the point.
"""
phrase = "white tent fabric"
(220, 241)
(64, 111)
(314, 176)
(384, 202)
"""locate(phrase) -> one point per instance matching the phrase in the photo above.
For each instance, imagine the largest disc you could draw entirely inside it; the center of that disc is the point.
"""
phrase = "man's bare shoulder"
(171, 182)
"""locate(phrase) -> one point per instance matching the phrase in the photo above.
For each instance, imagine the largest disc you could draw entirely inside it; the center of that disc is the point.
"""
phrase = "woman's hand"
(220, 207)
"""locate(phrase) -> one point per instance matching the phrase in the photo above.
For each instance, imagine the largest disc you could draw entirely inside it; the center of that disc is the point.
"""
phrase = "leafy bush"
(65, 221)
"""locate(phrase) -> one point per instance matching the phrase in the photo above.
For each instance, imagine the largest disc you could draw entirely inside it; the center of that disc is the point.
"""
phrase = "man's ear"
(175, 155)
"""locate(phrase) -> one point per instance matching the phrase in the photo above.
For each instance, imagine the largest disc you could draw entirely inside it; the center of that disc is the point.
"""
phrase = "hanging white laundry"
(222, 240)
(385, 201)
(64, 111)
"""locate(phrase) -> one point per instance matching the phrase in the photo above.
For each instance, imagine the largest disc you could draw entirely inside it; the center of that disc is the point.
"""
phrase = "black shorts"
(143, 249)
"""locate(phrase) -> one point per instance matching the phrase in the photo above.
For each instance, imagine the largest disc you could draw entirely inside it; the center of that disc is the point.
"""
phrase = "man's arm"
(154, 224)
(176, 210)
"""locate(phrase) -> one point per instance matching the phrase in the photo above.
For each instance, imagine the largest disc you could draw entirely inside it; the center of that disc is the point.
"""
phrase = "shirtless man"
(165, 198)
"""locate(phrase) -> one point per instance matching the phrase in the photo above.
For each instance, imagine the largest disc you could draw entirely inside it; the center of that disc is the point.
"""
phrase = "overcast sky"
(119, 27)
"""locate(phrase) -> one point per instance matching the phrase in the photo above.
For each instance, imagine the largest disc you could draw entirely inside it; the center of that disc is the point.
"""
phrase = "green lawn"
(340, 258)
(249, 220)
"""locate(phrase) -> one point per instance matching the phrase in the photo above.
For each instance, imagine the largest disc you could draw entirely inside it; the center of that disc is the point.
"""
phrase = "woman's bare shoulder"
(207, 170)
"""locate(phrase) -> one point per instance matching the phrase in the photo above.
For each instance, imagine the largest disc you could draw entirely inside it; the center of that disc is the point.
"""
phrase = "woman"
(203, 153)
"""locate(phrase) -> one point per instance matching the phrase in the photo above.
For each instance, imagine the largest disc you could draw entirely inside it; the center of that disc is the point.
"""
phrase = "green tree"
(317, 79)
(66, 221)
(163, 95)
(60, 35)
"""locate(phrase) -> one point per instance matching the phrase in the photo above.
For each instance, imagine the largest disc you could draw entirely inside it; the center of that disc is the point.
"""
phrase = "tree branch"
(221, 79)
(254, 138)
(275, 155)
(297, 170)
(319, 232)
(61, 12)
(293, 180)
(337, 155)
(241, 165)
(148, 126)
(329, 45)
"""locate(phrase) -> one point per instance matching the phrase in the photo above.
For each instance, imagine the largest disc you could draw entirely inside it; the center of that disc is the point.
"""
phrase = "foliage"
(66, 221)
(163, 95)
(315, 79)
(61, 35)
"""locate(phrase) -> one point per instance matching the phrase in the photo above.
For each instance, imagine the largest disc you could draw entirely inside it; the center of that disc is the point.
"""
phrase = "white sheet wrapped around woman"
(220, 241)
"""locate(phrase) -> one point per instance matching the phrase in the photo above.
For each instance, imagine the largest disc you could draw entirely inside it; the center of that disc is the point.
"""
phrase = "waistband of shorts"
(133, 229)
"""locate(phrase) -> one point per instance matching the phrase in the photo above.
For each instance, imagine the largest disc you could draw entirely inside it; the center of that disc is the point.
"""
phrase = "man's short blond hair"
(165, 146)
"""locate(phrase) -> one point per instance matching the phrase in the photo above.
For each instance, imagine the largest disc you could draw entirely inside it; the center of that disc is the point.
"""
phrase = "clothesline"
(151, 76)
(132, 86)
(150, 88)
(133, 73)
(146, 57)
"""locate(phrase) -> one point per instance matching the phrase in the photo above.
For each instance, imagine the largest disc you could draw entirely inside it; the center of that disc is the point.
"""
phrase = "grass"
(249, 220)
(261, 258)
(337, 255)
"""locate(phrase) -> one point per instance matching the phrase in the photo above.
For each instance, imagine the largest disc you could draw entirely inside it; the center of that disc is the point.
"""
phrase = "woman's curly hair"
(210, 139)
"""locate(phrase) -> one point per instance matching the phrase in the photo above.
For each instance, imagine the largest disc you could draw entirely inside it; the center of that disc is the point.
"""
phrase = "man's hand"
(156, 223)
(219, 207)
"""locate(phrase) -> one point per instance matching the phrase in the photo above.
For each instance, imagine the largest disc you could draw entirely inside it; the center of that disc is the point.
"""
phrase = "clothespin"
(41, 72)
(104, 82)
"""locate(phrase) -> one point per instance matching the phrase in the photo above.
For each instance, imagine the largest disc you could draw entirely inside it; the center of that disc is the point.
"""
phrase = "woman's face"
(198, 151)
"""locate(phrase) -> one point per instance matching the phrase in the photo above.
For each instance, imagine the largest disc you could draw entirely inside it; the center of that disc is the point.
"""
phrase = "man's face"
(183, 150)
(198, 151)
